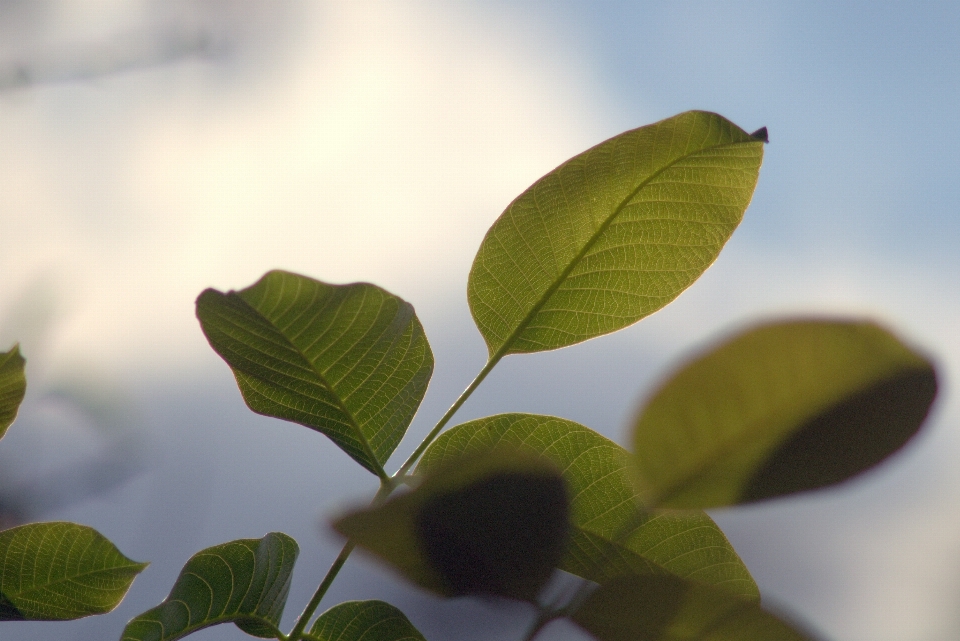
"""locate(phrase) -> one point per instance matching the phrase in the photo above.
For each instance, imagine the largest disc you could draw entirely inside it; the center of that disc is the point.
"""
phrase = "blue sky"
(858, 98)
(378, 142)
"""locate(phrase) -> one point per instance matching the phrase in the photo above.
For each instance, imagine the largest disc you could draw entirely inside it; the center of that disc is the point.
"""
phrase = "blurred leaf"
(60, 571)
(364, 621)
(495, 523)
(668, 608)
(613, 234)
(350, 361)
(13, 385)
(781, 408)
(244, 582)
(610, 535)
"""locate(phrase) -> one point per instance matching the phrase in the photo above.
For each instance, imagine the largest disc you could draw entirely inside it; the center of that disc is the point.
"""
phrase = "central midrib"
(500, 353)
(380, 472)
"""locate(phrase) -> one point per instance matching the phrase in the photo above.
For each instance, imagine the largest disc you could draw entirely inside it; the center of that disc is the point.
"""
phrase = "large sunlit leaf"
(610, 535)
(60, 571)
(13, 385)
(364, 621)
(350, 361)
(668, 608)
(495, 523)
(781, 408)
(244, 582)
(613, 234)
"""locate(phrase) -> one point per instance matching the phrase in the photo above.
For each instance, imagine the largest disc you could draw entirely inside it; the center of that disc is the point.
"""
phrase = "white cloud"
(381, 150)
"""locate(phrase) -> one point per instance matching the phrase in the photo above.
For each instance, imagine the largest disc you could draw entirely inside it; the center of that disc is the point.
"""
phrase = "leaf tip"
(204, 296)
(761, 134)
(14, 356)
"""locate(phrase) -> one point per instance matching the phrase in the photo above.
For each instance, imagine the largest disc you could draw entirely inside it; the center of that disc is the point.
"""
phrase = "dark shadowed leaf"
(610, 535)
(350, 361)
(781, 408)
(495, 523)
(613, 234)
(13, 385)
(243, 582)
(364, 621)
(668, 608)
(60, 571)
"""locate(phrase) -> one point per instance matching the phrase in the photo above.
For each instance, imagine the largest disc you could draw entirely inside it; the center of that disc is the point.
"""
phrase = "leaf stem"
(417, 453)
(296, 634)
(387, 485)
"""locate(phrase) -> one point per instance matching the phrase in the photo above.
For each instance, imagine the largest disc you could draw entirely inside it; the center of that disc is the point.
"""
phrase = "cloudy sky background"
(151, 149)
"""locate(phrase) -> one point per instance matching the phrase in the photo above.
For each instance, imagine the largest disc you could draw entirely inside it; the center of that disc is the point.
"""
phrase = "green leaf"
(244, 582)
(781, 408)
(668, 608)
(613, 234)
(13, 385)
(60, 571)
(350, 361)
(610, 535)
(364, 621)
(494, 523)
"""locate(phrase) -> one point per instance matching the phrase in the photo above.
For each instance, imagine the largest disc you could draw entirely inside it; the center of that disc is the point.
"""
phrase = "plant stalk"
(301, 625)
(296, 634)
(417, 453)
(387, 485)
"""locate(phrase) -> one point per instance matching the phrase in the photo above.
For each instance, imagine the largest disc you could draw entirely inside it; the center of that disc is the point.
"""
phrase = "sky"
(151, 149)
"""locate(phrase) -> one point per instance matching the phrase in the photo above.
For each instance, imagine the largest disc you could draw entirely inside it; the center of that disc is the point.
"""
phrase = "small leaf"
(60, 571)
(364, 621)
(244, 582)
(494, 524)
(668, 608)
(350, 361)
(781, 408)
(610, 535)
(613, 234)
(13, 385)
